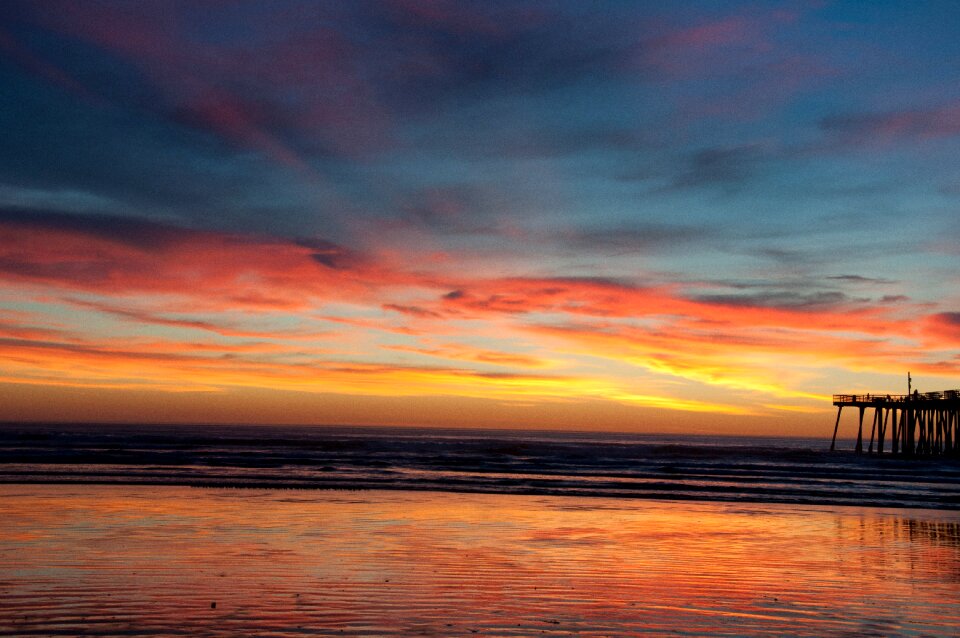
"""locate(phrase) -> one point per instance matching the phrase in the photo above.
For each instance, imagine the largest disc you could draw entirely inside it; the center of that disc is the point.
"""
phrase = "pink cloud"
(881, 129)
(452, 16)
(12, 48)
(216, 270)
(281, 98)
(718, 47)
(944, 328)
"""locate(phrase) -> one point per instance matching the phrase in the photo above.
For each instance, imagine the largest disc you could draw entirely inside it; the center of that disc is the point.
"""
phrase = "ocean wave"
(563, 463)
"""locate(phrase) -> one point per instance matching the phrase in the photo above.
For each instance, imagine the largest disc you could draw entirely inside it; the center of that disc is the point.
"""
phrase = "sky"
(636, 216)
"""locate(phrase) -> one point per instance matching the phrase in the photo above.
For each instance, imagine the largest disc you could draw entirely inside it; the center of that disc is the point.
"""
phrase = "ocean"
(743, 469)
(224, 531)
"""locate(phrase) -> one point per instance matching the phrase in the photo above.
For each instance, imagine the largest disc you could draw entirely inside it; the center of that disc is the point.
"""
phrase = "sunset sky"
(640, 216)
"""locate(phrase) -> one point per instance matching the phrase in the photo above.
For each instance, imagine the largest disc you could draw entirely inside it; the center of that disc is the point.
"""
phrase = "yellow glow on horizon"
(683, 405)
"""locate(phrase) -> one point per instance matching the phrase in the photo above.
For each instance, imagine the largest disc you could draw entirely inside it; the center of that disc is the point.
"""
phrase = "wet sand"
(109, 560)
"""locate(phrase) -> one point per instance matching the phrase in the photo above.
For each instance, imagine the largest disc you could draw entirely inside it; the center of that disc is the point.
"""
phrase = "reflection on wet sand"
(109, 560)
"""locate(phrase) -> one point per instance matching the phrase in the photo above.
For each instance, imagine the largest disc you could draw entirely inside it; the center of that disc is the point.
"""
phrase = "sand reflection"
(106, 560)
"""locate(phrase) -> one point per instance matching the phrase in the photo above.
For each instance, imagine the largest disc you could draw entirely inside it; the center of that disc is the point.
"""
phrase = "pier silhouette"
(919, 424)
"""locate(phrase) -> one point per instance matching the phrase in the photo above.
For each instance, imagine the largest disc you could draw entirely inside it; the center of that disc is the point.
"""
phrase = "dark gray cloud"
(413, 311)
(331, 255)
(720, 164)
(518, 140)
(562, 143)
(786, 300)
(888, 126)
(949, 318)
(91, 272)
(729, 168)
(139, 233)
(642, 237)
(454, 208)
(54, 144)
(787, 256)
(859, 279)
(461, 50)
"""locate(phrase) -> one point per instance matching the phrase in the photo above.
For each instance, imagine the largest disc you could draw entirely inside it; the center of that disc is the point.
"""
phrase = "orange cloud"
(118, 256)
(126, 303)
(465, 353)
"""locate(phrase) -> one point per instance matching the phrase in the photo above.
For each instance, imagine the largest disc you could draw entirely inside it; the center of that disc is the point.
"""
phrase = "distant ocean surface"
(638, 466)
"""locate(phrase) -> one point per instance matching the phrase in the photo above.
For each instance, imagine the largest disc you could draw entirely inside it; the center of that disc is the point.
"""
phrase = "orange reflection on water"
(112, 559)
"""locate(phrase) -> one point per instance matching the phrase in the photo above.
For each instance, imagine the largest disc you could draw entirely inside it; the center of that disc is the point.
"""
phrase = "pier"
(918, 424)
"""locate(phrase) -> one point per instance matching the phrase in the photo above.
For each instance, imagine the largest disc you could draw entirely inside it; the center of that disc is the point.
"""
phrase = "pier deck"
(918, 424)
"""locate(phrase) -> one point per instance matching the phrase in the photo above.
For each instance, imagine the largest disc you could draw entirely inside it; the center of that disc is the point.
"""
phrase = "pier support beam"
(885, 416)
(911, 426)
(860, 432)
(836, 425)
(895, 431)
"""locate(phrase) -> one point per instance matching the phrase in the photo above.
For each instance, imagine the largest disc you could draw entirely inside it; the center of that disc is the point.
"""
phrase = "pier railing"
(854, 399)
(868, 398)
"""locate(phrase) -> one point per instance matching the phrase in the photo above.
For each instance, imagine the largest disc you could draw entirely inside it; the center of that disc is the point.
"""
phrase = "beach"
(110, 560)
(186, 530)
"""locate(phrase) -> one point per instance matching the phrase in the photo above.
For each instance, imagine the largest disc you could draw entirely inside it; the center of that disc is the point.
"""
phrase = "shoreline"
(669, 494)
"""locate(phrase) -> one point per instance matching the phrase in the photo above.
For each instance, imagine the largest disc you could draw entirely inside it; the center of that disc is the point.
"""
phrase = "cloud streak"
(889, 127)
